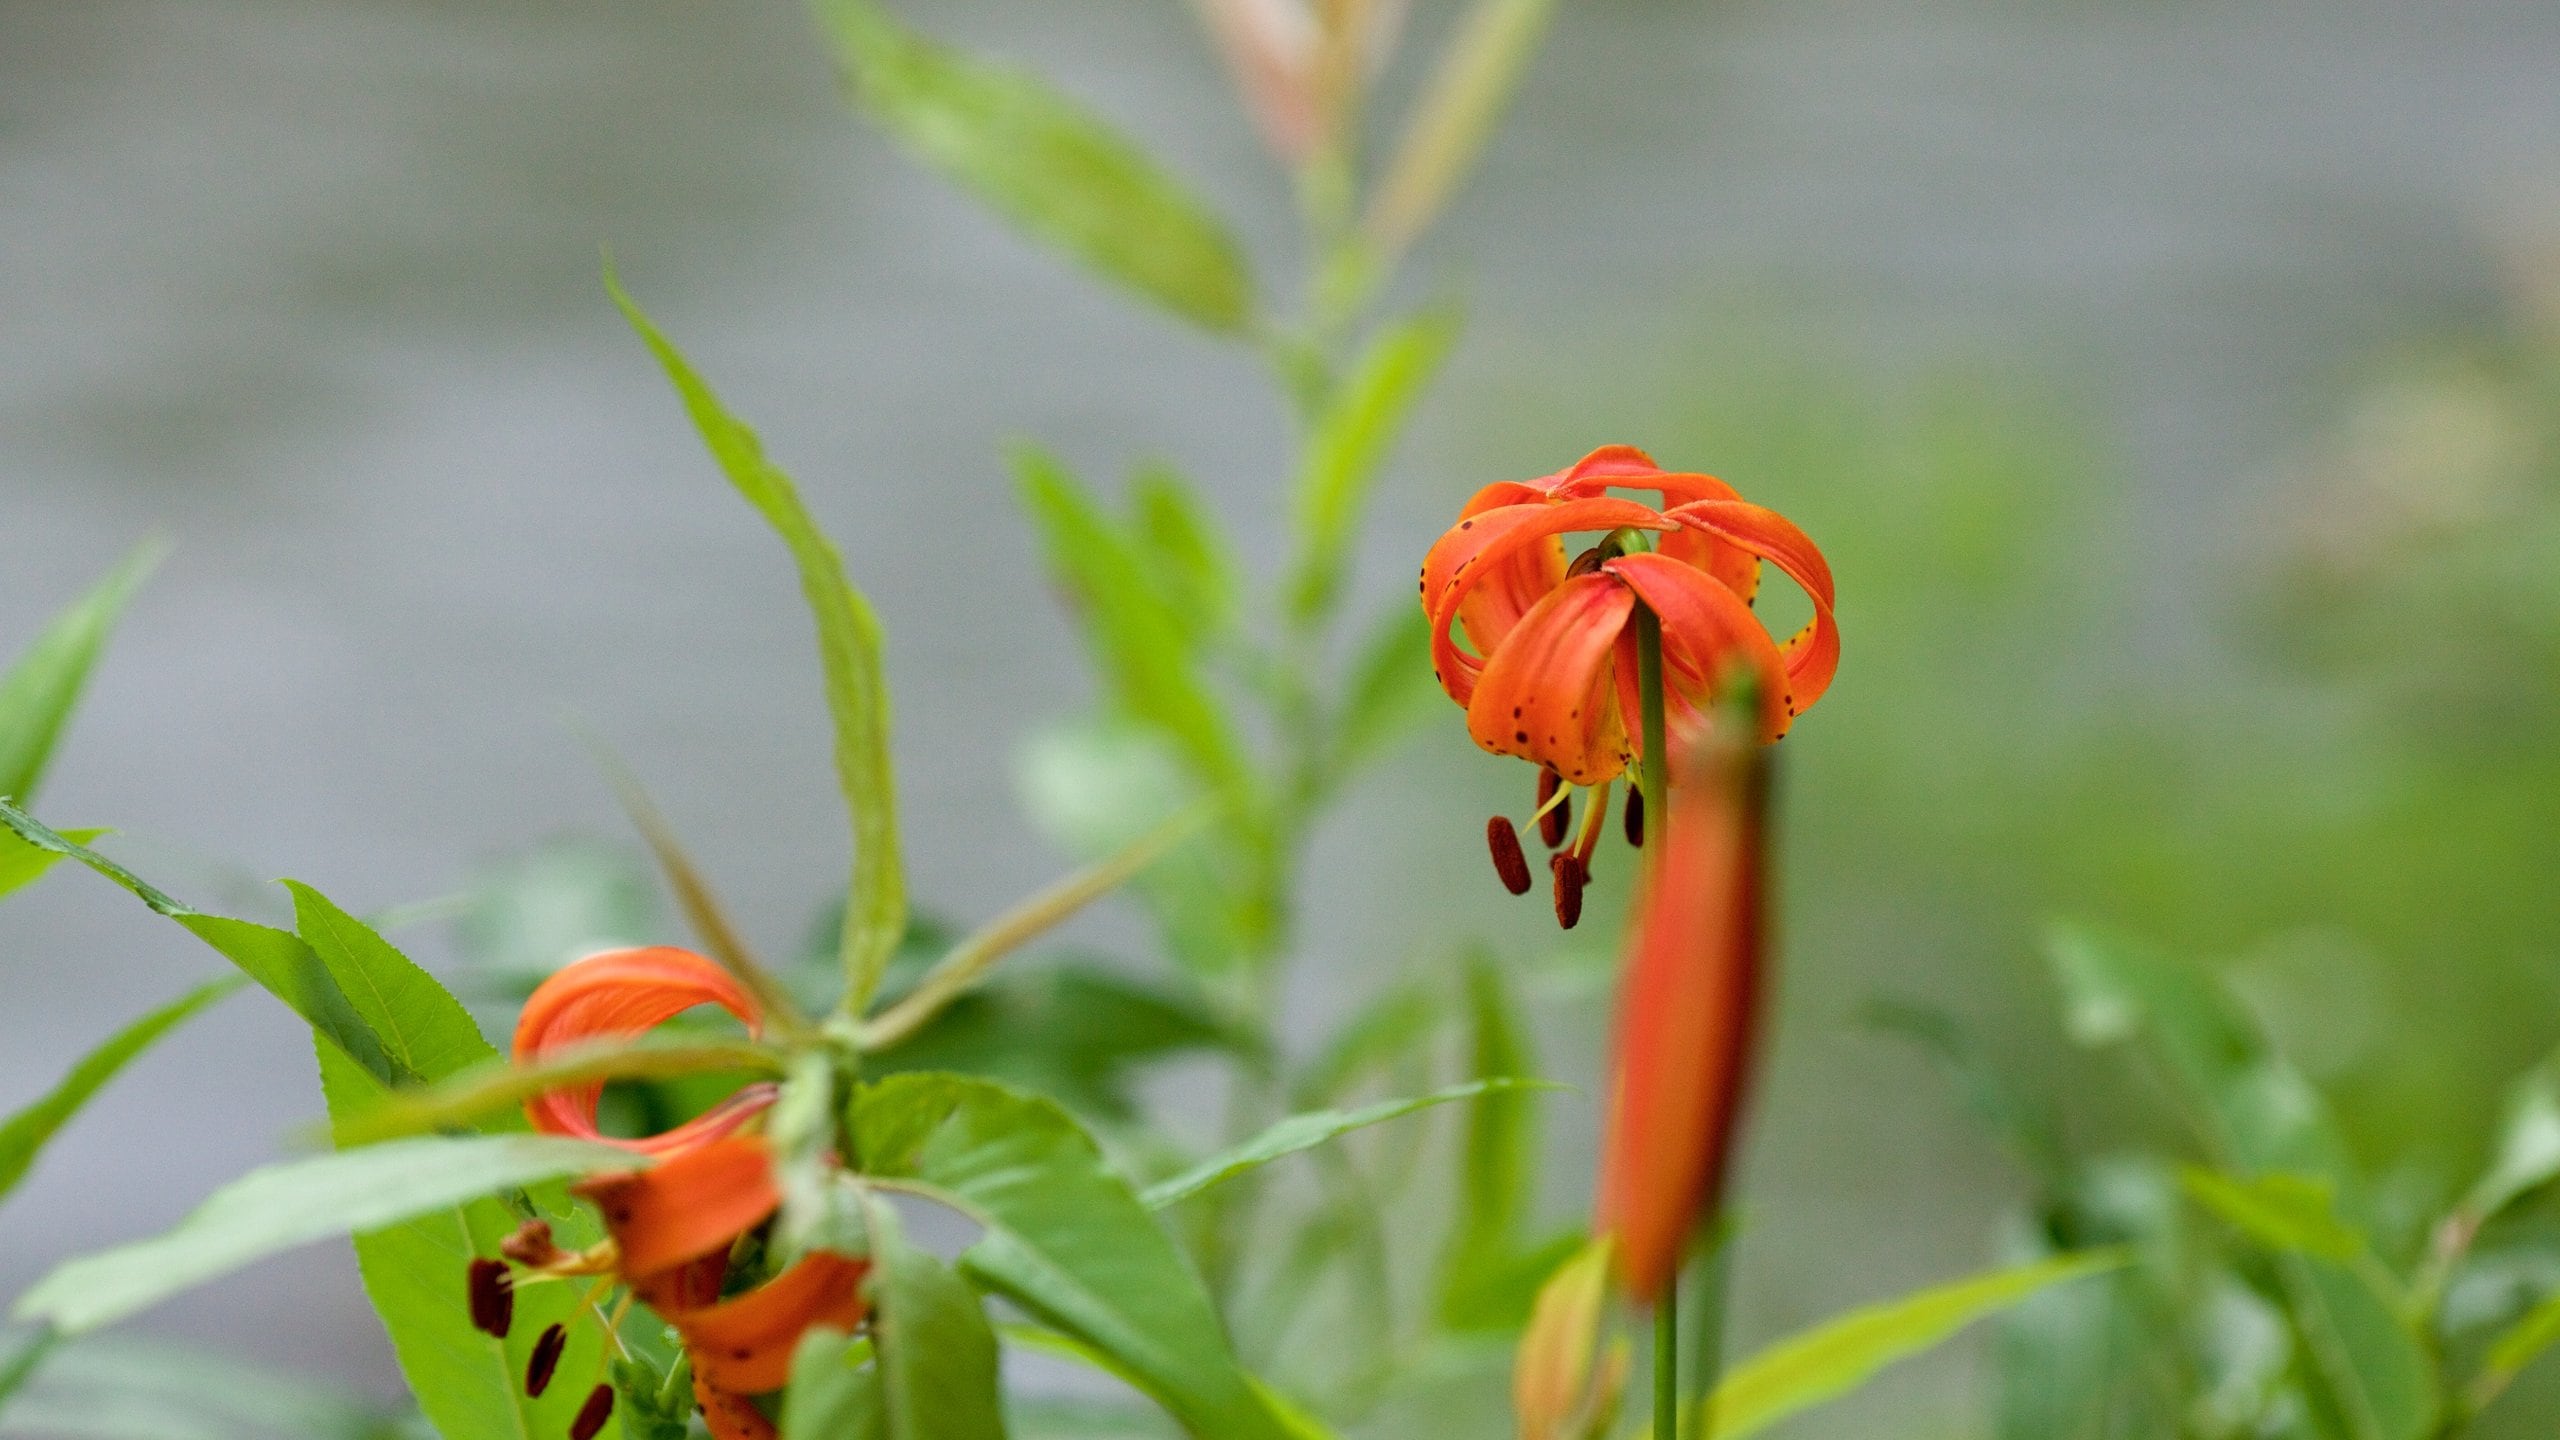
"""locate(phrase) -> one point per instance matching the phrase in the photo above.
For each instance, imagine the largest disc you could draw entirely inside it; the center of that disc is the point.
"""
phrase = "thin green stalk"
(1666, 1361)
(1706, 1365)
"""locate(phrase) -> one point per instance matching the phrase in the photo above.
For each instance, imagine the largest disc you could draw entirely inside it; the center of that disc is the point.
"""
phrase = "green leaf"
(2022, 1120)
(2518, 1346)
(2528, 1152)
(1498, 1166)
(118, 1388)
(1305, 1132)
(2281, 1212)
(1044, 162)
(833, 1392)
(1194, 567)
(282, 963)
(22, 863)
(937, 1376)
(1066, 1239)
(494, 1086)
(1394, 1026)
(1135, 636)
(1840, 1355)
(26, 1133)
(849, 651)
(469, 1383)
(1391, 689)
(37, 694)
(20, 1356)
(2371, 1372)
(280, 1207)
(1349, 445)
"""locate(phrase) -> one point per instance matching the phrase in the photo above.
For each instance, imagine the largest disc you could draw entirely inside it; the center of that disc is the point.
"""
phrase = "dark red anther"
(593, 1414)
(1552, 822)
(1570, 878)
(493, 1297)
(546, 1358)
(1508, 862)
(531, 1246)
(1635, 817)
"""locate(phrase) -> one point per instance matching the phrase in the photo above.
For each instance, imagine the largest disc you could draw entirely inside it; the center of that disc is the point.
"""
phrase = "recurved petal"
(744, 1344)
(621, 993)
(731, 1416)
(1813, 653)
(1706, 629)
(1492, 567)
(1548, 694)
(687, 1206)
(1687, 1014)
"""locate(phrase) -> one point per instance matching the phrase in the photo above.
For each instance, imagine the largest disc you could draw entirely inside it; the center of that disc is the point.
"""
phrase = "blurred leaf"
(2253, 1106)
(283, 963)
(1136, 639)
(2281, 1212)
(1306, 1131)
(495, 1086)
(1390, 688)
(1191, 561)
(1094, 786)
(38, 693)
(1075, 1032)
(1348, 447)
(1040, 1417)
(2528, 1151)
(468, 1383)
(1495, 1297)
(936, 1378)
(833, 1392)
(20, 1355)
(2369, 1369)
(24, 1135)
(1838, 1356)
(115, 1388)
(1046, 163)
(1454, 118)
(280, 1207)
(2517, 1347)
(2024, 1121)
(1066, 1239)
(534, 912)
(848, 649)
(22, 863)
(1498, 1165)
(1395, 1025)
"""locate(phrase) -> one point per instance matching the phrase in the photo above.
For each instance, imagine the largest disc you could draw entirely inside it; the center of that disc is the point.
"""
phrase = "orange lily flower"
(615, 995)
(1688, 1011)
(1548, 671)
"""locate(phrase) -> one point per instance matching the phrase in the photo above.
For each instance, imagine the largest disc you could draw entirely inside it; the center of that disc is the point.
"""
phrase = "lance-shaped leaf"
(875, 914)
(280, 1207)
(1836, 1357)
(1455, 117)
(1066, 1239)
(495, 1087)
(38, 693)
(1352, 437)
(22, 862)
(2281, 1212)
(24, 1135)
(1389, 689)
(1192, 562)
(1044, 162)
(936, 1373)
(281, 962)
(1306, 1131)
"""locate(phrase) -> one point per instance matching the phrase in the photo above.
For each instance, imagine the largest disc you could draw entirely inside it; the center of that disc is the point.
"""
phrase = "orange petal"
(617, 994)
(1813, 653)
(1687, 1013)
(744, 1344)
(1705, 629)
(687, 1206)
(731, 1416)
(1548, 694)
(1624, 467)
(1492, 567)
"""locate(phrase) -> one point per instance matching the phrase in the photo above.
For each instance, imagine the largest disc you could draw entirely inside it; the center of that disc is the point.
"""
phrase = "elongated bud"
(1553, 823)
(1635, 817)
(531, 1246)
(1570, 878)
(1508, 862)
(493, 1297)
(593, 1414)
(546, 1358)
(1551, 1371)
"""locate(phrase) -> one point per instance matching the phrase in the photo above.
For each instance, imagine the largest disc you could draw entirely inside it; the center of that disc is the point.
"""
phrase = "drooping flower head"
(1548, 670)
(1688, 1013)
(613, 996)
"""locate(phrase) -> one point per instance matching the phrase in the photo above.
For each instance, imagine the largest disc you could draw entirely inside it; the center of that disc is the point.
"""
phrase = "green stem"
(1666, 1361)
(1706, 1364)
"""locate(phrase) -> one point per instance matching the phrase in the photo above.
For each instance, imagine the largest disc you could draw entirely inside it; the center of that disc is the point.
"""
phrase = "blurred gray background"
(311, 289)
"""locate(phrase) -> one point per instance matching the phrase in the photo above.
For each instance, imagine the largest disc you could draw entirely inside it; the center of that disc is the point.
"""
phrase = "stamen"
(1588, 562)
(593, 1414)
(1508, 862)
(546, 1359)
(493, 1297)
(531, 1246)
(1555, 808)
(1570, 878)
(1635, 817)
(1592, 823)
